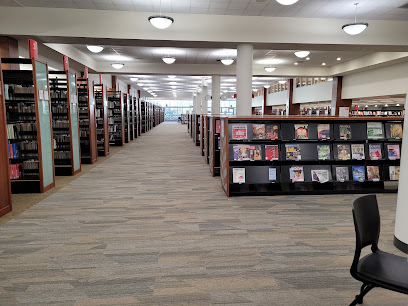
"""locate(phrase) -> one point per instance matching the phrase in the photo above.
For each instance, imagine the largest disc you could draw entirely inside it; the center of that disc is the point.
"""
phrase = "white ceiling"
(368, 9)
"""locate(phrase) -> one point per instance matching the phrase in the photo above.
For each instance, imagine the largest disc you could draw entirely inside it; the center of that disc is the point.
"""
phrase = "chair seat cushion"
(385, 269)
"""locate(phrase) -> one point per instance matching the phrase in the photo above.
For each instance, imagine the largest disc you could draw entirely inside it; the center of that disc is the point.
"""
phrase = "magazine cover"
(296, 174)
(394, 173)
(374, 130)
(321, 176)
(345, 131)
(342, 174)
(241, 152)
(239, 131)
(323, 131)
(238, 175)
(258, 131)
(396, 130)
(357, 151)
(373, 173)
(358, 173)
(323, 152)
(301, 131)
(393, 152)
(292, 152)
(272, 131)
(375, 151)
(272, 174)
(343, 151)
(255, 152)
(271, 152)
(218, 126)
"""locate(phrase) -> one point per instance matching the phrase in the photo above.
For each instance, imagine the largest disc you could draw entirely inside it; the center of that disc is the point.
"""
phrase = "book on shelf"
(217, 126)
(13, 150)
(342, 174)
(293, 152)
(272, 131)
(373, 173)
(272, 174)
(358, 173)
(357, 151)
(238, 175)
(343, 152)
(258, 131)
(301, 131)
(321, 176)
(393, 152)
(239, 131)
(271, 152)
(396, 131)
(296, 174)
(394, 173)
(375, 151)
(345, 131)
(323, 131)
(374, 130)
(323, 152)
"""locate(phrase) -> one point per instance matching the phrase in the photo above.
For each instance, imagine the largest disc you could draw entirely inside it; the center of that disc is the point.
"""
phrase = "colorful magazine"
(272, 131)
(323, 152)
(358, 173)
(357, 151)
(292, 152)
(396, 130)
(272, 174)
(218, 126)
(258, 131)
(301, 131)
(374, 130)
(375, 151)
(238, 175)
(345, 131)
(239, 131)
(394, 173)
(373, 173)
(393, 152)
(241, 152)
(296, 174)
(271, 152)
(343, 151)
(342, 174)
(255, 152)
(323, 131)
(321, 176)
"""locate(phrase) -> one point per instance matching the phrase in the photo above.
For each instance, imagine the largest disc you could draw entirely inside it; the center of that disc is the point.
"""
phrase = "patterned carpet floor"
(151, 226)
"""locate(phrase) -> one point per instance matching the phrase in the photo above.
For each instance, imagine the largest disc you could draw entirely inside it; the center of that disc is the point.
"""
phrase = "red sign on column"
(100, 78)
(85, 72)
(32, 48)
(66, 62)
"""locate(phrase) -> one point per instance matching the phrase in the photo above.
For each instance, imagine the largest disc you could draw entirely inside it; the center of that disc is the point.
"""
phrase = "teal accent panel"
(73, 100)
(45, 123)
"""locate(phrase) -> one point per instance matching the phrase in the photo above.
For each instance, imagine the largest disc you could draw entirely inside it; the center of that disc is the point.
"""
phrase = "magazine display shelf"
(102, 126)
(126, 106)
(116, 118)
(65, 123)
(299, 168)
(213, 148)
(26, 107)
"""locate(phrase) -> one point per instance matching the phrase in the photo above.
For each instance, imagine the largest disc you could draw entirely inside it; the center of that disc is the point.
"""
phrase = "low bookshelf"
(214, 124)
(126, 112)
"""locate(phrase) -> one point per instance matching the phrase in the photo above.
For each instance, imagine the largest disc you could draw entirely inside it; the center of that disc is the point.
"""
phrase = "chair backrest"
(366, 221)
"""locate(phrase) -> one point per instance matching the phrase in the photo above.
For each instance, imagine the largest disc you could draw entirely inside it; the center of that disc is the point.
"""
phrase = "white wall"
(277, 98)
(313, 93)
(257, 101)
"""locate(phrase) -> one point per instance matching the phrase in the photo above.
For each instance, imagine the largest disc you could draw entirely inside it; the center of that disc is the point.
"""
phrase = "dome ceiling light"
(227, 61)
(282, 81)
(287, 2)
(159, 21)
(171, 76)
(355, 27)
(270, 69)
(95, 49)
(169, 59)
(302, 54)
(267, 86)
(118, 65)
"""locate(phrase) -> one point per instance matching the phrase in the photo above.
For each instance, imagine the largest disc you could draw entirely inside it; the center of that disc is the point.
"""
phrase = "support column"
(291, 109)
(401, 215)
(216, 94)
(244, 79)
(204, 102)
(337, 101)
(198, 103)
(267, 110)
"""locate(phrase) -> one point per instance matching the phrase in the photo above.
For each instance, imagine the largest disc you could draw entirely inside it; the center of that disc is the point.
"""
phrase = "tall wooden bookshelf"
(116, 118)
(136, 118)
(102, 126)
(87, 123)
(144, 115)
(132, 118)
(126, 106)
(26, 102)
(65, 122)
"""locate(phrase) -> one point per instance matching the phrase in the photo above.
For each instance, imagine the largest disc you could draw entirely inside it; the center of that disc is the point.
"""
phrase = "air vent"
(404, 6)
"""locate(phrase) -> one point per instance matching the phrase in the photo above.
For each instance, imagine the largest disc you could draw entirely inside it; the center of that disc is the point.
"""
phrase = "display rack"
(309, 155)
(145, 116)
(150, 115)
(65, 119)
(214, 141)
(206, 130)
(162, 113)
(204, 136)
(29, 131)
(87, 123)
(101, 115)
(116, 118)
(132, 118)
(136, 126)
(126, 106)
(196, 129)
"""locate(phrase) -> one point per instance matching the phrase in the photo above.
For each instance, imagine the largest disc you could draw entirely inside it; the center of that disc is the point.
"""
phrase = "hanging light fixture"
(302, 54)
(169, 59)
(118, 65)
(282, 81)
(134, 79)
(161, 22)
(171, 76)
(95, 49)
(355, 27)
(287, 2)
(267, 86)
(227, 61)
(270, 69)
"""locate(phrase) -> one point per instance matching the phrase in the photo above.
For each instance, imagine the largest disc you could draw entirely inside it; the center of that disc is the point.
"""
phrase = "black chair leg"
(365, 288)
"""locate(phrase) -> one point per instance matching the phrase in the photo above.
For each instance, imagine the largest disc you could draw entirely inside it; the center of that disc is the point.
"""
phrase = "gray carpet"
(151, 226)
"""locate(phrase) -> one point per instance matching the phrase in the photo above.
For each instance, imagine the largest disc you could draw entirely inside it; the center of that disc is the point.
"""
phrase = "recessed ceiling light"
(296, 63)
(95, 49)
(169, 59)
(323, 64)
(339, 58)
(139, 84)
(376, 105)
(287, 2)
(386, 105)
(355, 27)
(302, 54)
(173, 83)
(270, 69)
(161, 22)
(171, 76)
(308, 58)
(282, 81)
(227, 61)
(366, 106)
(145, 88)
(118, 65)
(397, 104)
(134, 79)
(267, 86)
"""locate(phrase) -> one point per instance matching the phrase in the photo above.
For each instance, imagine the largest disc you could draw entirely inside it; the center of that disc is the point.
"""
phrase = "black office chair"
(377, 269)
